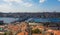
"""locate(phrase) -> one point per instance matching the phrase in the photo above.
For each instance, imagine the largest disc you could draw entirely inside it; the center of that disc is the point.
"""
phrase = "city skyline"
(29, 5)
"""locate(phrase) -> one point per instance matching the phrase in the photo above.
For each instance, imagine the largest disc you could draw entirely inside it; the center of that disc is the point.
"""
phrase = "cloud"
(20, 2)
(9, 6)
(5, 7)
(42, 1)
(27, 4)
(13, 1)
(10, 2)
(58, 0)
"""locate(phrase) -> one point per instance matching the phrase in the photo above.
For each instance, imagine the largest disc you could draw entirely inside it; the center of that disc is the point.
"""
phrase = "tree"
(5, 33)
(36, 31)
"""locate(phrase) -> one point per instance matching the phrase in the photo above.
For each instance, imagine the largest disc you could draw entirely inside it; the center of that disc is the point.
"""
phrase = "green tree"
(36, 31)
(5, 33)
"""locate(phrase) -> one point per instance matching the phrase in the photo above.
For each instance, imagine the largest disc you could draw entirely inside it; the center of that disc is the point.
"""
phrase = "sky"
(29, 5)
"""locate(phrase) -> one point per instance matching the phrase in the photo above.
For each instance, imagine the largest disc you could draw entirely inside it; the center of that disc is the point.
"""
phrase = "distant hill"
(28, 15)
